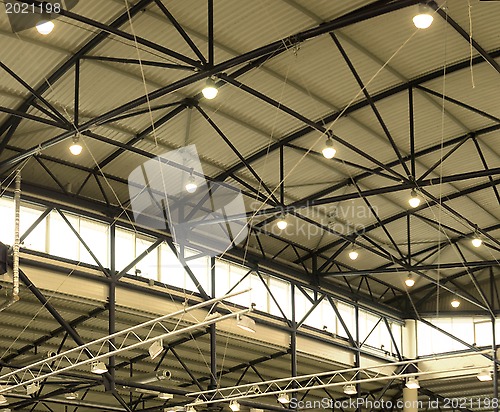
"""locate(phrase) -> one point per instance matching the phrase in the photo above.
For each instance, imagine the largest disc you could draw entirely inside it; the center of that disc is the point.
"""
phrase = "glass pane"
(347, 314)
(148, 265)
(95, 235)
(281, 292)
(7, 221)
(62, 241)
(36, 240)
(171, 271)
(125, 248)
(259, 294)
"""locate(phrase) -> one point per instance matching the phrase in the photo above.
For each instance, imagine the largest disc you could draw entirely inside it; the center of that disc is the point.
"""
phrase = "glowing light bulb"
(76, 148)
(45, 27)
(455, 303)
(414, 200)
(282, 223)
(353, 254)
(409, 281)
(424, 18)
(210, 90)
(328, 151)
(191, 185)
(477, 241)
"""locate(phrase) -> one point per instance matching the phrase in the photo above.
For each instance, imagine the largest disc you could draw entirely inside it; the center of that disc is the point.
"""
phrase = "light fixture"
(71, 395)
(477, 241)
(328, 151)
(409, 281)
(156, 349)
(45, 27)
(191, 185)
(424, 18)
(414, 200)
(234, 406)
(412, 383)
(3, 400)
(32, 388)
(350, 389)
(282, 223)
(353, 254)
(76, 147)
(210, 90)
(484, 376)
(283, 398)
(98, 367)
(165, 396)
(455, 303)
(190, 409)
(246, 323)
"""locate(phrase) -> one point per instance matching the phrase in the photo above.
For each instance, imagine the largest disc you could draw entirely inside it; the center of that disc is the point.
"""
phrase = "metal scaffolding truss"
(376, 373)
(137, 336)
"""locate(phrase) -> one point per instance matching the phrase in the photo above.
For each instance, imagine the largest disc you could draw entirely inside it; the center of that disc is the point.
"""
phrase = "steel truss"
(134, 337)
(378, 373)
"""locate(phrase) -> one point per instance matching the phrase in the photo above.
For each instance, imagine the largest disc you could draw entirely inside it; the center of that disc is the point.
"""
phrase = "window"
(7, 221)
(148, 265)
(95, 235)
(281, 292)
(347, 314)
(125, 248)
(36, 240)
(62, 241)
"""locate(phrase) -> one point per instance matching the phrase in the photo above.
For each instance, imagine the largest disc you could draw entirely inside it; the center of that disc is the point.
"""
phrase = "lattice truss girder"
(140, 335)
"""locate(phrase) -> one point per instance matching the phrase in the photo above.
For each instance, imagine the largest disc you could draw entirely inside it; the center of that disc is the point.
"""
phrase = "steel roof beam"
(13, 123)
(269, 50)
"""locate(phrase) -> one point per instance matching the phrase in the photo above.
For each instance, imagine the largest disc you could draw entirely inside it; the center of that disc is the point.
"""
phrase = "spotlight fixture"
(32, 388)
(98, 367)
(328, 151)
(283, 398)
(414, 200)
(45, 27)
(350, 389)
(76, 147)
(412, 383)
(3, 400)
(282, 223)
(484, 376)
(353, 254)
(210, 90)
(190, 409)
(191, 185)
(246, 323)
(424, 18)
(234, 406)
(156, 349)
(71, 396)
(455, 303)
(409, 281)
(477, 241)
(165, 396)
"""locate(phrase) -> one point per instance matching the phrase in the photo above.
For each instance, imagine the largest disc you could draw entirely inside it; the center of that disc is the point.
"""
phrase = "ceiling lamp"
(412, 383)
(353, 254)
(414, 200)
(191, 185)
(3, 400)
(328, 151)
(98, 367)
(350, 389)
(409, 281)
(71, 396)
(424, 18)
(76, 147)
(190, 409)
(484, 376)
(45, 27)
(156, 349)
(246, 323)
(455, 303)
(32, 388)
(282, 223)
(283, 398)
(165, 396)
(210, 89)
(477, 241)
(234, 406)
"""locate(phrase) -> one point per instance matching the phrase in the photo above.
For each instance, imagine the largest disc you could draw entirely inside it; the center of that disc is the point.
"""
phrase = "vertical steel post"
(357, 354)
(293, 339)
(213, 337)
(112, 300)
(495, 365)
